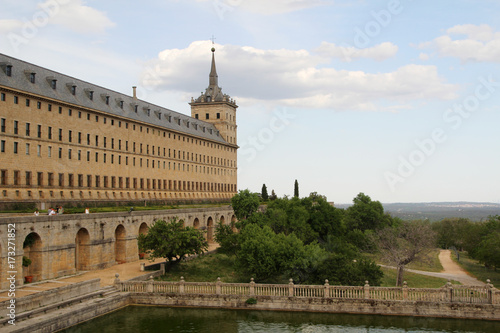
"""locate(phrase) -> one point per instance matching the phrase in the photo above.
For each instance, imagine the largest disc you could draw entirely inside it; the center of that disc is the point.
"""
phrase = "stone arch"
(82, 250)
(120, 244)
(32, 247)
(196, 223)
(222, 219)
(210, 230)
(143, 230)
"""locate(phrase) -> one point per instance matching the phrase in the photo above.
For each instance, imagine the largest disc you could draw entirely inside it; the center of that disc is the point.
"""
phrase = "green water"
(187, 320)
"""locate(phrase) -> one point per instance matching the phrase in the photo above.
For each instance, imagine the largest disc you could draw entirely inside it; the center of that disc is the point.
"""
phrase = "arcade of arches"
(61, 245)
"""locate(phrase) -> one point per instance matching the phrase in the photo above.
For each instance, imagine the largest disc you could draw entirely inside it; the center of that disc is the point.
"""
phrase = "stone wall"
(64, 244)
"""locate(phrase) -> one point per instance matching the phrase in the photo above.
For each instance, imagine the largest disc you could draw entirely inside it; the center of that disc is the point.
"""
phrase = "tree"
(408, 242)
(226, 238)
(273, 196)
(296, 189)
(245, 204)
(264, 194)
(366, 214)
(172, 241)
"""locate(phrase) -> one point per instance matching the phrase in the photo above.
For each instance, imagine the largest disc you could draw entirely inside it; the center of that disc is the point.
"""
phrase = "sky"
(397, 99)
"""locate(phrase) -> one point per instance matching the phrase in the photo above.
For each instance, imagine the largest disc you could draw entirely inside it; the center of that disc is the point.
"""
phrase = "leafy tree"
(296, 189)
(264, 194)
(245, 204)
(266, 255)
(488, 251)
(366, 214)
(451, 232)
(406, 243)
(226, 238)
(172, 241)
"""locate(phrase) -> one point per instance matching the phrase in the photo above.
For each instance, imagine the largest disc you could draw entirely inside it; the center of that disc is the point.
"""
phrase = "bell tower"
(215, 107)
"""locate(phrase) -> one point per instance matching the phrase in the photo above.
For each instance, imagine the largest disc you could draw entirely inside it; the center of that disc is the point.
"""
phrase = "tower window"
(207, 116)
(8, 70)
(91, 95)
(32, 77)
(53, 84)
(73, 90)
(218, 115)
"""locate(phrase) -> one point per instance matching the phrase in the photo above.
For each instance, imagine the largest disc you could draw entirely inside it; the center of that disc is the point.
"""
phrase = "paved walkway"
(451, 271)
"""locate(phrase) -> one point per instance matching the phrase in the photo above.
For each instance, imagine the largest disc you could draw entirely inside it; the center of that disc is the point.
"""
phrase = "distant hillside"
(436, 211)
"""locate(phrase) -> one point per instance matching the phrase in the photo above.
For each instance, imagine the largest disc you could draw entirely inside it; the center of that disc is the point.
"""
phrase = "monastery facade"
(66, 140)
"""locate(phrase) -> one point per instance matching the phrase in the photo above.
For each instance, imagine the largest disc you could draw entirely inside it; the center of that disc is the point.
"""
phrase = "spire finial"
(213, 43)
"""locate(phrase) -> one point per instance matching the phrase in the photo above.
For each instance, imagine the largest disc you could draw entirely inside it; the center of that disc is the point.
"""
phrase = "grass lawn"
(414, 280)
(430, 263)
(206, 268)
(478, 270)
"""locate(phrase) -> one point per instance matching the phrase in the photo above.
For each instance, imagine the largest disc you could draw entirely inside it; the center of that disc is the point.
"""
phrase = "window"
(3, 177)
(53, 84)
(70, 179)
(49, 151)
(61, 179)
(79, 137)
(8, 70)
(107, 100)
(49, 107)
(39, 150)
(121, 104)
(207, 116)
(27, 149)
(60, 110)
(28, 178)
(79, 155)
(218, 115)
(196, 116)
(91, 95)
(38, 105)
(32, 77)
(15, 147)
(27, 129)
(60, 152)
(39, 178)
(89, 180)
(49, 133)
(39, 131)
(2, 146)
(60, 134)
(16, 127)
(73, 90)
(70, 134)
(70, 112)
(2, 125)
(80, 180)
(69, 154)
(16, 100)
(88, 156)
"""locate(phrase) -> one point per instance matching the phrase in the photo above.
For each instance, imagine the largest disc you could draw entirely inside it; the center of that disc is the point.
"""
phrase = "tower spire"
(214, 78)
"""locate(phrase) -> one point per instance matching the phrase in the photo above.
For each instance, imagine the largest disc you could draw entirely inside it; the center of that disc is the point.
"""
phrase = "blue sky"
(398, 99)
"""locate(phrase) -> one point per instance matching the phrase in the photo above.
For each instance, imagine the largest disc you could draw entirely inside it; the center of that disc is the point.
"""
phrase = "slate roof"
(133, 109)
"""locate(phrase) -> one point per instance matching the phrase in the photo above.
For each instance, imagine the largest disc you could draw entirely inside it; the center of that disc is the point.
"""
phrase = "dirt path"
(451, 271)
(452, 268)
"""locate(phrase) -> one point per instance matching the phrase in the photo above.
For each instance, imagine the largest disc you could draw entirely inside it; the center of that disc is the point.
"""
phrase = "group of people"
(57, 210)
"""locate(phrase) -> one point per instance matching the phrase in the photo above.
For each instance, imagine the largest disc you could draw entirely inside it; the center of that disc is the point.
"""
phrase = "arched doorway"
(32, 265)
(82, 250)
(196, 223)
(120, 245)
(143, 230)
(210, 230)
(222, 220)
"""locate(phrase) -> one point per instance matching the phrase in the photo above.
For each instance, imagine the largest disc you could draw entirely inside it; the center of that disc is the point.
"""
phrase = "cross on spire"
(213, 39)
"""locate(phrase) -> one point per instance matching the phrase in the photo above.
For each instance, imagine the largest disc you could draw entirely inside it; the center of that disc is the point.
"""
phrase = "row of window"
(110, 158)
(89, 140)
(112, 182)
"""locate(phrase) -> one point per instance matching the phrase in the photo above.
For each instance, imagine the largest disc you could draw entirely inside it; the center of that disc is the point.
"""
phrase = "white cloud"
(378, 52)
(71, 14)
(481, 43)
(267, 7)
(292, 77)
(75, 15)
(424, 56)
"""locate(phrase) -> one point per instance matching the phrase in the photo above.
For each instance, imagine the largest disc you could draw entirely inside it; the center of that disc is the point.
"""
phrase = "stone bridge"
(65, 244)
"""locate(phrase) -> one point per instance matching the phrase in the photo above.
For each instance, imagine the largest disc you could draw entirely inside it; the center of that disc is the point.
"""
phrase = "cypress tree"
(264, 194)
(296, 189)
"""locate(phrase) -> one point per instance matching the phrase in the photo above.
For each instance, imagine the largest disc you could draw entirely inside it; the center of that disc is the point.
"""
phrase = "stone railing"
(447, 294)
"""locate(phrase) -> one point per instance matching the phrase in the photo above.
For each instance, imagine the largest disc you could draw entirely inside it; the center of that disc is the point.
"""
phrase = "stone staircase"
(60, 315)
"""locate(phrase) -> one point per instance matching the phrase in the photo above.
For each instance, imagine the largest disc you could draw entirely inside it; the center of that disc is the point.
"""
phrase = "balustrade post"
(162, 268)
(149, 287)
(327, 289)
(491, 300)
(218, 286)
(367, 290)
(252, 287)
(117, 282)
(143, 266)
(405, 291)
(181, 285)
(449, 291)
(290, 288)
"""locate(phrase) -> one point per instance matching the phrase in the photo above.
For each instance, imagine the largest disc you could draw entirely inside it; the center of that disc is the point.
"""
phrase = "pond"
(189, 320)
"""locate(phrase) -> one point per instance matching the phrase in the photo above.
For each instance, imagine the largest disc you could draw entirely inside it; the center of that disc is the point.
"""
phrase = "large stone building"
(66, 140)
